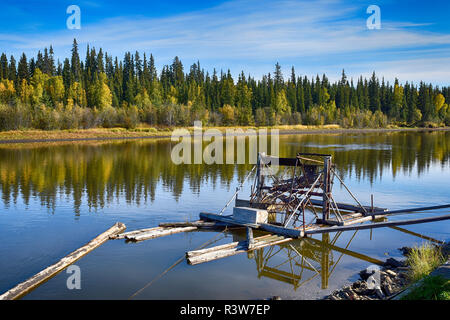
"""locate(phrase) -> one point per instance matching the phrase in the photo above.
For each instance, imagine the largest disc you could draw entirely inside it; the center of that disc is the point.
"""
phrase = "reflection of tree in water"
(368, 156)
(133, 170)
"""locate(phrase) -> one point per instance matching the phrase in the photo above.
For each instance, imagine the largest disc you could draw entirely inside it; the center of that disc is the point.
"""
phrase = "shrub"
(422, 260)
(127, 117)
(14, 117)
(107, 117)
(260, 117)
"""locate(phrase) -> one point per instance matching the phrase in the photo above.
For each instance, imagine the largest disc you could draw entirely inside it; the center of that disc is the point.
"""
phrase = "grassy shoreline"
(423, 262)
(30, 135)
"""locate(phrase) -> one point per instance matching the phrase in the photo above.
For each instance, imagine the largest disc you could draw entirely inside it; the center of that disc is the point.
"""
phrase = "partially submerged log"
(230, 249)
(131, 233)
(25, 287)
(152, 233)
(231, 245)
(168, 228)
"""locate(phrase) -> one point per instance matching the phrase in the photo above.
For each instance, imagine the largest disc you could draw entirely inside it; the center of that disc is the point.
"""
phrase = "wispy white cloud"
(321, 35)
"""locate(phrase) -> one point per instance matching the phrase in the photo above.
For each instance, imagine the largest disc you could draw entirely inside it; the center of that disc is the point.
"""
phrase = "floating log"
(131, 233)
(157, 232)
(198, 224)
(25, 287)
(378, 225)
(231, 245)
(218, 252)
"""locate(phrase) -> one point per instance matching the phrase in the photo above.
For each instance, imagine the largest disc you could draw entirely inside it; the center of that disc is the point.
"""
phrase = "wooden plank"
(231, 245)
(158, 233)
(287, 232)
(378, 225)
(358, 220)
(329, 222)
(226, 219)
(241, 247)
(25, 287)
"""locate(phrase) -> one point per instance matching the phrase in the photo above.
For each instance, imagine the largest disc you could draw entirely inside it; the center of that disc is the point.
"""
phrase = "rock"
(387, 280)
(352, 295)
(344, 295)
(347, 296)
(380, 293)
(388, 289)
(364, 274)
(366, 292)
(405, 250)
(391, 273)
(357, 284)
(394, 263)
(403, 268)
(445, 249)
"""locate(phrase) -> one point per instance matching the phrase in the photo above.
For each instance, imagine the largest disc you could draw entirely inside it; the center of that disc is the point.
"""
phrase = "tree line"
(103, 91)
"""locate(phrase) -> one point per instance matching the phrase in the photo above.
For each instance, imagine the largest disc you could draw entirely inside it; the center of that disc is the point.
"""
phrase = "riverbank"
(30, 136)
(396, 280)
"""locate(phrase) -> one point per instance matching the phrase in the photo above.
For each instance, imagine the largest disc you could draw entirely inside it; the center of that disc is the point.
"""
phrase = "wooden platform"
(316, 202)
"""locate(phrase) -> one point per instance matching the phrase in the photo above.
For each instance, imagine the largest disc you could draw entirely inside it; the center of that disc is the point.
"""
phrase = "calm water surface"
(55, 198)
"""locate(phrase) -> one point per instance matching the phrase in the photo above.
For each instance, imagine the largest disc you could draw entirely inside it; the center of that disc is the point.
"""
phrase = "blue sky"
(313, 36)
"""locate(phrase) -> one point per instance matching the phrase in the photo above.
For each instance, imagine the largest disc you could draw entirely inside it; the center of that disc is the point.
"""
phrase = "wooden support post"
(258, 182)
(25, 287)
(371, 202)
(250, 240)
(326, 188)
(259, 176)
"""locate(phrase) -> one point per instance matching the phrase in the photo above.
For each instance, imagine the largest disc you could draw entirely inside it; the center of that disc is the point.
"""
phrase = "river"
(55, 197)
